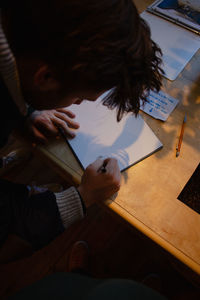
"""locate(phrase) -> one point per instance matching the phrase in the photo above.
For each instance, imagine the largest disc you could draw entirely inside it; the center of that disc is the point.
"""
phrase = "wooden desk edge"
(74, 179)
(57, 165)
(190, 263)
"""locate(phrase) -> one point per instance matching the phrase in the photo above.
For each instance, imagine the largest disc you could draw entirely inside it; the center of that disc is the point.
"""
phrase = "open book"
(129, 141)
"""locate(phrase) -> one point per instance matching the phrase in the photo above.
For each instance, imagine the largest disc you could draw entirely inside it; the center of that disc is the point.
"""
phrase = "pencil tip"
(177, 153)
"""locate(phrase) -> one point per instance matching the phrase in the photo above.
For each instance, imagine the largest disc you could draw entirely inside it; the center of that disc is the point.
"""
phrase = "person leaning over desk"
(54, 54)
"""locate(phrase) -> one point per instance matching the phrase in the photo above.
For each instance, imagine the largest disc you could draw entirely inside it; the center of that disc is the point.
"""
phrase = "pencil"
(103, 169)
(178, 148)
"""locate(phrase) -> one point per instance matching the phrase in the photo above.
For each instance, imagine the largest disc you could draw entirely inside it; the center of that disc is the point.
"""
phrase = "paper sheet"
(160, 105)
(177, 44)
(129, 140)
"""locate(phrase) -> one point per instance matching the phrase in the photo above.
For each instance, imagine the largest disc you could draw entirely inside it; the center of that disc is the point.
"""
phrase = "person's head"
(80, 48)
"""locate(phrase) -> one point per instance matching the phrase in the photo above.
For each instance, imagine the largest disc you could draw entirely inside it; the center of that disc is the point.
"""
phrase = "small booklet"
(159, 105)
(185, 13)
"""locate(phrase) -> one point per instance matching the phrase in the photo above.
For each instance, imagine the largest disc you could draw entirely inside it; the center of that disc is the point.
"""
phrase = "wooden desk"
(149, 190)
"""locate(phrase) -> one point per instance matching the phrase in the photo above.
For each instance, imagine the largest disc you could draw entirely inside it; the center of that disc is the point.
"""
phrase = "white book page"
(129, 140)
(177, 44)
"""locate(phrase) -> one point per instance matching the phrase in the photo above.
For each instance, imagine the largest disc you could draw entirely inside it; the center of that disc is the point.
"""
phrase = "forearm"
(39, 218)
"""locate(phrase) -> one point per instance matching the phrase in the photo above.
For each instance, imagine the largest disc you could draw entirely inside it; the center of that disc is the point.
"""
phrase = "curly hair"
(91, 44)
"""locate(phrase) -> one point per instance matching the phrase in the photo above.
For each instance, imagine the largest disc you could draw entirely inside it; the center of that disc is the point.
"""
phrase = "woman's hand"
(97, 185)
(44, 124)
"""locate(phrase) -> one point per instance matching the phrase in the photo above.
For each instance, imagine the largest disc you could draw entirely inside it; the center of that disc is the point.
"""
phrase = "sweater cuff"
(70, 206)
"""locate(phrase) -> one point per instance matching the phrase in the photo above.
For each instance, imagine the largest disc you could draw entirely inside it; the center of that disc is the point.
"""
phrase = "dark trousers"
(35, 219)
(69, 286)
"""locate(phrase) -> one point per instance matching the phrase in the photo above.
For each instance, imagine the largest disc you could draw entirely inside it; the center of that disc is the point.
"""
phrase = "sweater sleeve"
(70, 206)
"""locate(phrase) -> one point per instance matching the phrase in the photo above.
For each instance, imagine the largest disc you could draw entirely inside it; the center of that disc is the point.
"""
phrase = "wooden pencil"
(178, 148)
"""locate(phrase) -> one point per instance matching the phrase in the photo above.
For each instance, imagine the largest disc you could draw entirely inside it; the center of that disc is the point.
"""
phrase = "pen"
(178, 148)
(102, 169)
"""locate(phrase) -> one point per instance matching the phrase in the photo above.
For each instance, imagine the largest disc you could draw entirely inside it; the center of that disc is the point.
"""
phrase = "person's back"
(67, 51)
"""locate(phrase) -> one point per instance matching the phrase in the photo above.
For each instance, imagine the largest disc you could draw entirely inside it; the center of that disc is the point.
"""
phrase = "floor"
(116, 249)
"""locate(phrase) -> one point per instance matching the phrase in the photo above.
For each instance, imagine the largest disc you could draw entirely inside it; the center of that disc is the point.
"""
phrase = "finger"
(38, 135)
(112, 169)
(70, 123)
(66, 111)
(60, 123)
(111, 164)
(97, 164)
(47, 128)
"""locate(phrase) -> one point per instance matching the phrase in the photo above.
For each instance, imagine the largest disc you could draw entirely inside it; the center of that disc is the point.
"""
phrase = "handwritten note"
(160, 105)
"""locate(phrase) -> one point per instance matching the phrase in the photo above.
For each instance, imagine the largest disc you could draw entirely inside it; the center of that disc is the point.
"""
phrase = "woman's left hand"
(44, 124)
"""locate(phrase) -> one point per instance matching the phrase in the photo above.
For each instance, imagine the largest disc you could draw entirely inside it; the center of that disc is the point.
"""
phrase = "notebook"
(129, 141)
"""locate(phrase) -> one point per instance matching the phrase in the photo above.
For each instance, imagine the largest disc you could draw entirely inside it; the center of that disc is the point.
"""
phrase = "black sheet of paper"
(190, 194)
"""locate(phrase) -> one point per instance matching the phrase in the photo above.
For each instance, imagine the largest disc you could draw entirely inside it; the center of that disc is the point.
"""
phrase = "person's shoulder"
(6, 98)
(9, 114)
